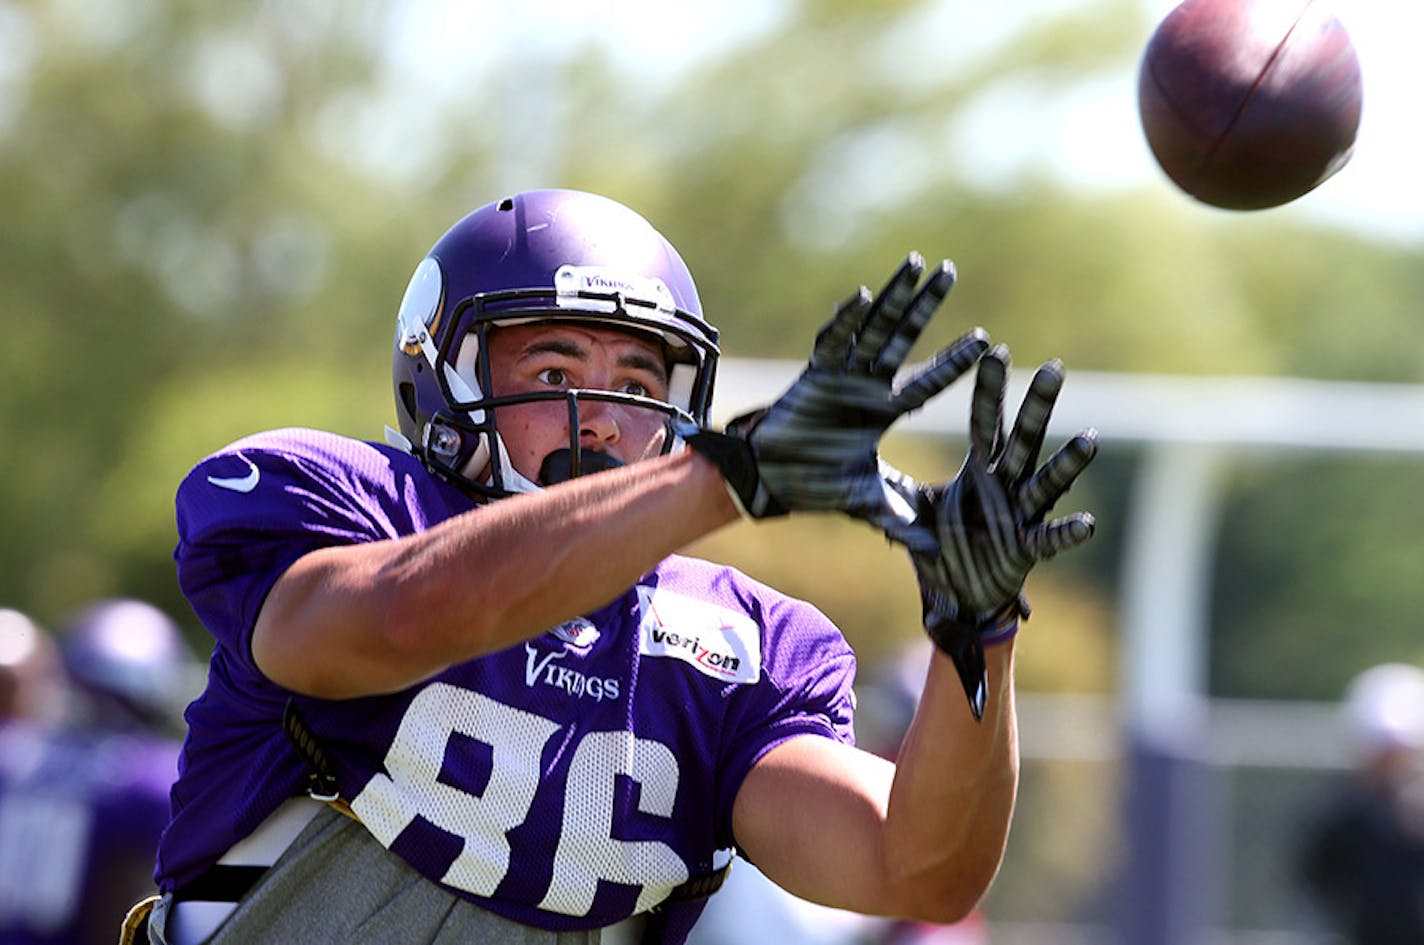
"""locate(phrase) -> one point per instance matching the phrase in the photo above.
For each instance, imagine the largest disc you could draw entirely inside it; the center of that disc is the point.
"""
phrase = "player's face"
(554, 356)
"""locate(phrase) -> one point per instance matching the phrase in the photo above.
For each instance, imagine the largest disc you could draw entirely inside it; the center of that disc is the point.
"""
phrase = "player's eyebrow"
(642, 361)
(635, 360)
(559, 346)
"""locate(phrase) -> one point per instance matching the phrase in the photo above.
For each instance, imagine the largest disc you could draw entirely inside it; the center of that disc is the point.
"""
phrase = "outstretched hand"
(989, 524)
(816, 447)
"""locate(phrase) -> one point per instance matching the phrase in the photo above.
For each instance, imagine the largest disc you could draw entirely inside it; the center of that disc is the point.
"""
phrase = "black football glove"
(816, 447)
(989, 521)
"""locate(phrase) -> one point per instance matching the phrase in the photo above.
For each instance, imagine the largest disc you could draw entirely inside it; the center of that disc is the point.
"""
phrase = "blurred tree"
(171, 209)
(1319, 570)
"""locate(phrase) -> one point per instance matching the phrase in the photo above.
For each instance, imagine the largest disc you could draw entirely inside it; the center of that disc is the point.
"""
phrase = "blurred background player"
(32, 705)
(1363, 860)
(31, 681)
(130, 666)
(84, 789)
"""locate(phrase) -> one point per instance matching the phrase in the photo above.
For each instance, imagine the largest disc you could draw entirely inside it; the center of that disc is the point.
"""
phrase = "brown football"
(1248, 104)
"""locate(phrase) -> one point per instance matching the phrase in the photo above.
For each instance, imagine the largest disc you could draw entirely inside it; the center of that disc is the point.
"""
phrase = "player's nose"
(598, 423)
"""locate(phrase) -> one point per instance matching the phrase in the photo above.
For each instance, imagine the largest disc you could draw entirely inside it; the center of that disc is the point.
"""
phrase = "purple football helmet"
(537, 256)
(131, 662)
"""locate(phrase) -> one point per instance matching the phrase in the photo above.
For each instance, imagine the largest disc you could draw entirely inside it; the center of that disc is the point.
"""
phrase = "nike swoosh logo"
(238, 483)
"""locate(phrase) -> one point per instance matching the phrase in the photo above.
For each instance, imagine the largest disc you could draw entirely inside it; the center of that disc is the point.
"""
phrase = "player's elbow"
(947, 904)
(948, 894)
(953, 906)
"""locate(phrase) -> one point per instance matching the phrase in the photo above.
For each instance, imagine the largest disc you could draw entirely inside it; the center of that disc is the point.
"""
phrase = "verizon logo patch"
(717, 642)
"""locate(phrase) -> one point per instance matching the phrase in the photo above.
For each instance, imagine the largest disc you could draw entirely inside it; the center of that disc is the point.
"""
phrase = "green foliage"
(211, 214)
(1319, 575)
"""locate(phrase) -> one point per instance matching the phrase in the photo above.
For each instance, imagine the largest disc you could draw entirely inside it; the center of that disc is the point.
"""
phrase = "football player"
(465, 689)
(31, 674)
(1361, 859)
(84, 796)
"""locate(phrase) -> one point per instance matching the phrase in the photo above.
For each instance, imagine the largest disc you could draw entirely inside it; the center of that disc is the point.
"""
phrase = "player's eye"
(554, 377)
(636, 388)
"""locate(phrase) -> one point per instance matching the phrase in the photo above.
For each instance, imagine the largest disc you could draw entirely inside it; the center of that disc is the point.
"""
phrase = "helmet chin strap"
(513, 480)
(557, 467)
(398, 439)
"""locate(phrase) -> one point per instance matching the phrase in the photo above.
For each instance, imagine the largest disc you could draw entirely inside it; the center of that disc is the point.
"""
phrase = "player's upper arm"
(322, 630)
(809, 814)
(813, 814)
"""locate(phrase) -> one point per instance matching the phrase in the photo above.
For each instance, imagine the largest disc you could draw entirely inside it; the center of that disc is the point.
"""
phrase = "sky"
(1088, 135)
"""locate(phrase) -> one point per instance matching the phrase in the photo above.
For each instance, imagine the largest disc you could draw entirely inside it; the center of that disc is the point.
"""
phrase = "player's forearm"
(535, 560)
(358, 620)
(953, 795)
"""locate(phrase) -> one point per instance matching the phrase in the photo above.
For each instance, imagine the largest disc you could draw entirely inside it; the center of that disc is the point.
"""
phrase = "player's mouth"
(559, 466)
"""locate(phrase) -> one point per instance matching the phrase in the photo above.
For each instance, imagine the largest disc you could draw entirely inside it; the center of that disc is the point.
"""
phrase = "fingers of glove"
(946, 367)
(986, 410)
(1005, 563)
(956, 544)
(978, 541)
(1046, 540)
(1026, 440)
(1056, 476)
(906, 330)
(885, 315)
(837, 336)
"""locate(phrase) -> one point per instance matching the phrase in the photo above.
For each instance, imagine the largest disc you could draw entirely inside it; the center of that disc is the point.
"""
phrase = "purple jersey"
(566, 782)
(80, 817)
